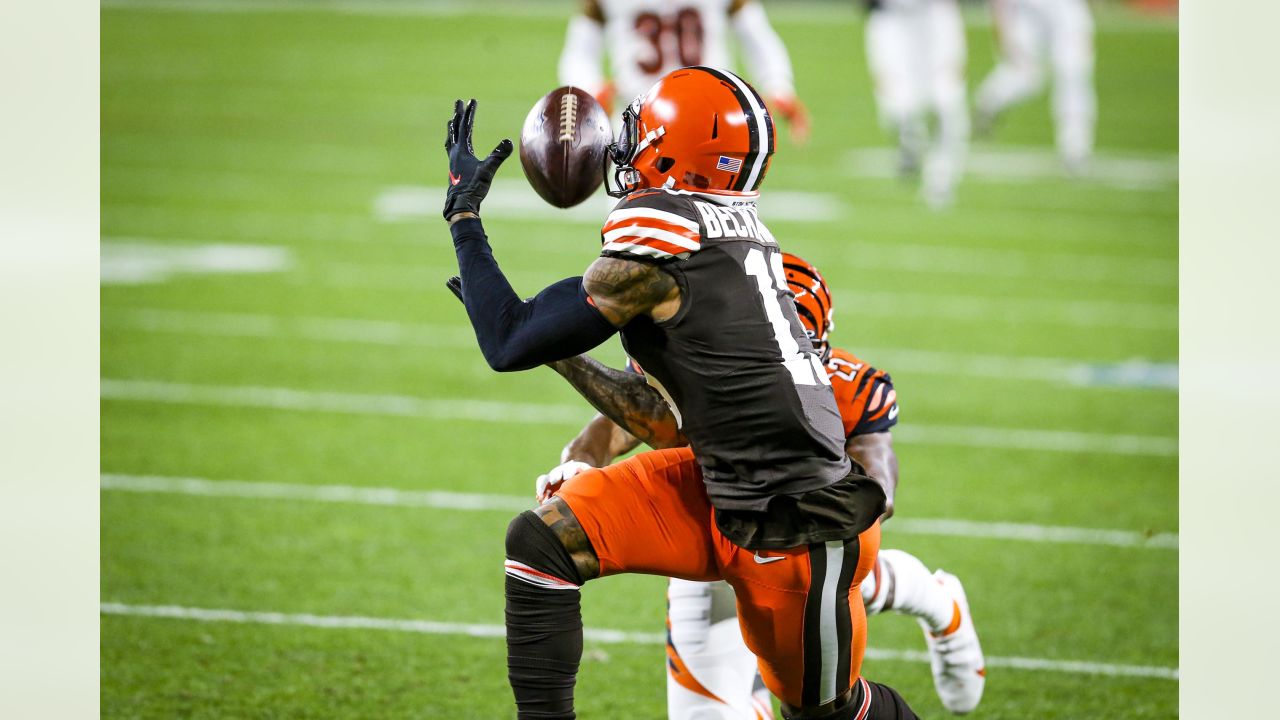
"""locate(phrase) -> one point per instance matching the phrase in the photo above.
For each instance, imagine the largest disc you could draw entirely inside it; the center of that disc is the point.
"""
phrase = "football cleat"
(959, 670)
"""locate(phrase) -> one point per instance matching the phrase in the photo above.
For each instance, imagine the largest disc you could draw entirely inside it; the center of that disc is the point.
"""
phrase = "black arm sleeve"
(560, 322)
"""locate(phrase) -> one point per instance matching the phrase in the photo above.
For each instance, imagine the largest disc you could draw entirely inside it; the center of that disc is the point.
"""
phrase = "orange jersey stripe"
(636, 245)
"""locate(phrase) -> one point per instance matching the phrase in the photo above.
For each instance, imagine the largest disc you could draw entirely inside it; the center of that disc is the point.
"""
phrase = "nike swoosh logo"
(454, 179)
(761, 560)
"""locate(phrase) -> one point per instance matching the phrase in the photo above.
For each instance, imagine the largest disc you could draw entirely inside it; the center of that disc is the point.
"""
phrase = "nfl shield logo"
(729, 164)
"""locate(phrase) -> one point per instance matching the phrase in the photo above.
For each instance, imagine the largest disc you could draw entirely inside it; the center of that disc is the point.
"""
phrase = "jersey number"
(685, 25)
(803, 366)
(848, 371)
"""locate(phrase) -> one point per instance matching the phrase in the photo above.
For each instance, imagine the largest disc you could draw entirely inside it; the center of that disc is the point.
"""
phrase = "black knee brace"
(531, 542)
(544, 620)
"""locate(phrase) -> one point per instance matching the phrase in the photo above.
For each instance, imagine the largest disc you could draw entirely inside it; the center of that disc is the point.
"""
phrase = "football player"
(916, 52)
(711, 674)
(647, 39)
(764, 496)
(1029, 32)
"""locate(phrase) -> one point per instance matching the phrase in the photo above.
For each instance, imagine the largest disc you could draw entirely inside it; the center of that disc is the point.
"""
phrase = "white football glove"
(548, 484)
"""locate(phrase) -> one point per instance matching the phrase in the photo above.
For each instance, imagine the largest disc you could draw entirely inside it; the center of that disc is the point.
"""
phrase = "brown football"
(562, 146)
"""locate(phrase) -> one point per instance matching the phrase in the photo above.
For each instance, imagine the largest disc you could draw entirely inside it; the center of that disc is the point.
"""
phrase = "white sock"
(900, 582)
(717, 673)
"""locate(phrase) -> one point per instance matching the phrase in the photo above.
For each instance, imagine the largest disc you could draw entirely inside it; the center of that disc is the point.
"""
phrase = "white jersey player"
(646, 39)
(1031, 32)
(916, 52)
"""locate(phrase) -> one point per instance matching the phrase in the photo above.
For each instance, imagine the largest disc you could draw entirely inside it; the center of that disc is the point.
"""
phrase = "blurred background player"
(916, 52)
(1029, 32)
(646, 39)
(711, 675)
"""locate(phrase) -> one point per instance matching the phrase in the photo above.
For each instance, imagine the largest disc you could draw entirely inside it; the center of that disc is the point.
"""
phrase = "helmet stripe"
(770, 138)
(823, 303)
(755, 115)
(764, 124)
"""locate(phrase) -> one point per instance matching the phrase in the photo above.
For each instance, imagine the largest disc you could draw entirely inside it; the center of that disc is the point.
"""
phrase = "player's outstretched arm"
(513, 334)
(625, 399)
(874, 452)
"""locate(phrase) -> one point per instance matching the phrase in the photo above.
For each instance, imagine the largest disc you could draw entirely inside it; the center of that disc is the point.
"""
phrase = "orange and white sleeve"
(644, 230)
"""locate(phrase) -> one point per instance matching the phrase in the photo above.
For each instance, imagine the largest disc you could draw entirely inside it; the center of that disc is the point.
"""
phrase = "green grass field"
(274, 324)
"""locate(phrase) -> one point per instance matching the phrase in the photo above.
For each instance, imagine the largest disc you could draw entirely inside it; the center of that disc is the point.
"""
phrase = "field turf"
(274, 325)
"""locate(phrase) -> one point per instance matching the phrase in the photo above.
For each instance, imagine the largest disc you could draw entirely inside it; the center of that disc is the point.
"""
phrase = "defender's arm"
(599, 443)
(874, 452)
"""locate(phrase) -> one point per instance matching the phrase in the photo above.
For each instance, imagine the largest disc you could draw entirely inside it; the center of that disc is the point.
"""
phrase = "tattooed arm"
(624, 289)
(624, 398)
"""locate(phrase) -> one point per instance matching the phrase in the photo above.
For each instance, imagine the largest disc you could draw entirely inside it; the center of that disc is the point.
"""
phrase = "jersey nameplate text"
(737, 222)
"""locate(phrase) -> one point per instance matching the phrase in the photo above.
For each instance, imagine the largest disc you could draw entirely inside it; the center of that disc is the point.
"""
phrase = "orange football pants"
(800, 609)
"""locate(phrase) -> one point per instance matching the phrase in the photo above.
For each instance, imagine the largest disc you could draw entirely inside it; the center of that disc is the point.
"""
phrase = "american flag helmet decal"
(729, 164)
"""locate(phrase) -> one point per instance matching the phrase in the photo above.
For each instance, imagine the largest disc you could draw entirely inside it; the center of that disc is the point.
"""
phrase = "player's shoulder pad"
(865, 396)
(652, 225)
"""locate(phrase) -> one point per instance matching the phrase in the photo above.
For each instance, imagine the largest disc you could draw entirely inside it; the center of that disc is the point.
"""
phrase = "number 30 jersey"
(649, 38)
(734, 363)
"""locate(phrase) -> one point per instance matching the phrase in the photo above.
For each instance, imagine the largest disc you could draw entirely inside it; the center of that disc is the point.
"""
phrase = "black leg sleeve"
(544, 621)
(867, 701)
(887, 704)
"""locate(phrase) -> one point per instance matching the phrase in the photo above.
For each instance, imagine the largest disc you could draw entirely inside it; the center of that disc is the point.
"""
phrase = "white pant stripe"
(830, 629)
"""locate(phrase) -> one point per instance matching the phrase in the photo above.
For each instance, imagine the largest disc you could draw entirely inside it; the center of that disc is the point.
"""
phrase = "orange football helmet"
(813, 301)
(698, 129)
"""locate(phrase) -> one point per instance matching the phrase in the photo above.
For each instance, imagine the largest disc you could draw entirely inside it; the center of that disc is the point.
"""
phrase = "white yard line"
(126, 262)
(1133, 373)
(1025, 439)
(598, 635)
(444, 500)
(984, 309)
(321, 329)
(277, 398)
(1019, 164)
(1137, 372)
(980, 262)
(516, 199)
